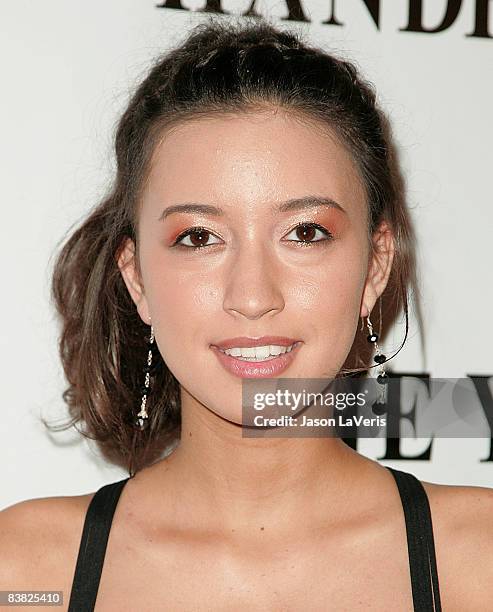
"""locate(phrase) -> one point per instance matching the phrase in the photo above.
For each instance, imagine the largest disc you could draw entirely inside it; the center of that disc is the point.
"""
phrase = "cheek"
(183, 305)
(328, 300)
(331, 291)
(178, 292)
(186, 298)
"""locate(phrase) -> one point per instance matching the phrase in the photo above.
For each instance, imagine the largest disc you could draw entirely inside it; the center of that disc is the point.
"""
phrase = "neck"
(233, 481)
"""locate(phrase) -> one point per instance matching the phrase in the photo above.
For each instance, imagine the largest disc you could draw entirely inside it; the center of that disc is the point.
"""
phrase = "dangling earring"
(142, 420)
(379, 407)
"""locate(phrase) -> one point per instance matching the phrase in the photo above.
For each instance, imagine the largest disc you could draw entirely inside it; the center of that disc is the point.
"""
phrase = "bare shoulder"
(463, 534)
(39, 542)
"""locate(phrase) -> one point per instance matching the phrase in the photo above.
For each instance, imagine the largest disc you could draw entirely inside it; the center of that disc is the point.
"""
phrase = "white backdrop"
(67, 70)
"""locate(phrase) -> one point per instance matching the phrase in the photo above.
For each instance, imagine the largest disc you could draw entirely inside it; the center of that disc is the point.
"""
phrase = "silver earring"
(142, 420)
(379, 407)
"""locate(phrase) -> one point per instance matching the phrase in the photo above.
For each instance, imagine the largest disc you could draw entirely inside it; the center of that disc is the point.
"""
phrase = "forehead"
(253, 158)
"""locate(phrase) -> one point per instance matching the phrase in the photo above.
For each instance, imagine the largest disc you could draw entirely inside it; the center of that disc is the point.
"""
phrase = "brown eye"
(307, 233)
(197, 238)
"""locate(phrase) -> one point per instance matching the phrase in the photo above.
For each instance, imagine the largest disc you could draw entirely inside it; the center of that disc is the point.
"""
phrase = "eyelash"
(300, 243)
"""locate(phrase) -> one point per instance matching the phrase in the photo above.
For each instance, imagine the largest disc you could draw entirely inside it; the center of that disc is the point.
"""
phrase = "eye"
(306, 234)
(197, 238)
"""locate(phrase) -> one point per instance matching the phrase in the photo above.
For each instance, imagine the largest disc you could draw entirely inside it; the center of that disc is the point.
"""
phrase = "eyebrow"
(306, 202)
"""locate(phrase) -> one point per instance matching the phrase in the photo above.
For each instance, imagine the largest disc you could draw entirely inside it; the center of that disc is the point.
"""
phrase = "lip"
(245, 341)
(269, 368)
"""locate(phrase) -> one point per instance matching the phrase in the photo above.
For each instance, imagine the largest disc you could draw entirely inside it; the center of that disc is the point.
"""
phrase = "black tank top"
(419, 530)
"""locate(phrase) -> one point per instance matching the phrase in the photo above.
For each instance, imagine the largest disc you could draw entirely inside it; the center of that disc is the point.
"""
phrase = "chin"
(233, 418)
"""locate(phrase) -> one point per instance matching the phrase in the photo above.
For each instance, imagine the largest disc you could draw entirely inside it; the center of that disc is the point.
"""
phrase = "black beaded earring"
(379, 407)
(142, 420)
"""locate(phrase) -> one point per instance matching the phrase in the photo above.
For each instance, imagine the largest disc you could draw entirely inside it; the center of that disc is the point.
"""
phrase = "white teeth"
(257, 353)
(262, 352)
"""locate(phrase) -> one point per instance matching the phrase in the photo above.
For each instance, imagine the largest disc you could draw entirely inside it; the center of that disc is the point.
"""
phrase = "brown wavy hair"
(221, 67)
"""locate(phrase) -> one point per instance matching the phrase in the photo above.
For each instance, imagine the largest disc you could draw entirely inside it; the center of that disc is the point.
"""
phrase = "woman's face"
(282, 218)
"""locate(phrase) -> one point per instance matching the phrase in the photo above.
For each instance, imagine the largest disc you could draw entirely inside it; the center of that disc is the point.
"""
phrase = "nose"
(253, 287)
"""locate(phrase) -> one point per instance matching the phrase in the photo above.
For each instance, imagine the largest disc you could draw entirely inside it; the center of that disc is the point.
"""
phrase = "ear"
(379, 267)
(129, 269)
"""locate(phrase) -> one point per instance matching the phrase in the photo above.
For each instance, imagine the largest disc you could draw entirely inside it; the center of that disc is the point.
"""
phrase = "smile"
(264, 361)
(258, 353)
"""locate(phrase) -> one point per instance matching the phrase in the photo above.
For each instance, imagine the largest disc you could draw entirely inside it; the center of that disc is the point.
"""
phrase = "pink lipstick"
(261, 357)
